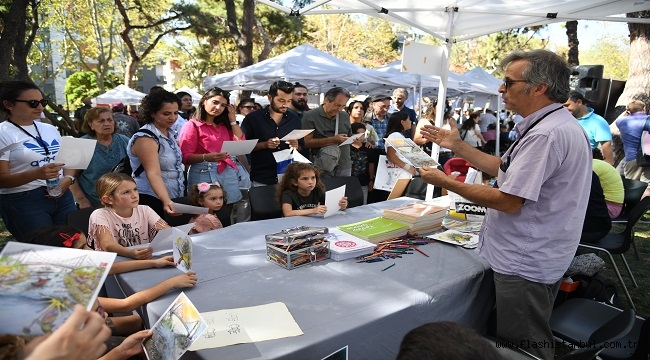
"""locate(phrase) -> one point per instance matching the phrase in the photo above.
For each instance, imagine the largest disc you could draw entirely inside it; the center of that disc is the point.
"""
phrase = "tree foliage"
(83, 84)
(368, 42)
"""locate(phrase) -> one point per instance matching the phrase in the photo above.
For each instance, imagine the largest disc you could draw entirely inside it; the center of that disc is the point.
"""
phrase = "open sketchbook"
(39, 285)
(178, 327)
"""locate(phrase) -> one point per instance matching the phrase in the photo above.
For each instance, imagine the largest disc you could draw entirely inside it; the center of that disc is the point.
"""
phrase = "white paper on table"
(236, 148)
(11, 147)
(189, 209)
(351, 139)
(332, 198)
(181, 320)
(163, 241)
(76, 153)
(182, 251)
(246, 325)
(296, 134)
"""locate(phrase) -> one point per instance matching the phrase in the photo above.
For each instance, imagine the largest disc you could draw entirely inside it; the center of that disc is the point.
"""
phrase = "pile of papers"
(376, 230)
(345, 246)
(421, 217)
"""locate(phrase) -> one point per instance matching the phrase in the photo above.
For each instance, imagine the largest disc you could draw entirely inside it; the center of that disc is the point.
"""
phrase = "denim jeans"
(207, 172)
(31, 210)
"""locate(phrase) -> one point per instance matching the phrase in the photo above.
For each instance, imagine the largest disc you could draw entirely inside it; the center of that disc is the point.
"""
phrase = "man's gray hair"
(332, 93)
(544, 67)
(402, 91)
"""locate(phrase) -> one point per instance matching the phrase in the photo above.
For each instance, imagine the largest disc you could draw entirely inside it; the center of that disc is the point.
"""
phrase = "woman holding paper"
(28, 150)
(398, 123)
(156, 149)
(110, 149)
(201, 141)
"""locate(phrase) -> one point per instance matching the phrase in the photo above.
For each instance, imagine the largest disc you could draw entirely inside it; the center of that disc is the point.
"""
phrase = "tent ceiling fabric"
(473, 18)
(121, 93)
(320, 71)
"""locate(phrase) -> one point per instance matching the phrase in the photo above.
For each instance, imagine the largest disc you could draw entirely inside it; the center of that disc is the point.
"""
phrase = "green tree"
(610, 51)
(368, 42)
(84, 84)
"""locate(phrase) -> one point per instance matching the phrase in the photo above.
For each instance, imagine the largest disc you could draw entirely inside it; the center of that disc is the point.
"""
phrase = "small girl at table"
(211, 196)
(122, 222)
(301, 192)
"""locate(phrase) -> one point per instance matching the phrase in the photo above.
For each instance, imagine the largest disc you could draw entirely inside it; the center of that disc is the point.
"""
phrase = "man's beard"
(300, 106)
(277, 109)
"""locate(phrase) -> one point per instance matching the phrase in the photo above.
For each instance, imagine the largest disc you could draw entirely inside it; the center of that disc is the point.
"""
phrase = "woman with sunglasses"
(245, 107)
(201, 140)
(28, 151)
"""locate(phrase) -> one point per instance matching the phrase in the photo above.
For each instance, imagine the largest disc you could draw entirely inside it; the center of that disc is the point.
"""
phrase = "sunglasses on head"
(34, 103)
(225, 93)
(285, 86)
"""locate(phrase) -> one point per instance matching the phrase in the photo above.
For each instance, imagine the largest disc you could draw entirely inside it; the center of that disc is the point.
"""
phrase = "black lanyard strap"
(38, 139)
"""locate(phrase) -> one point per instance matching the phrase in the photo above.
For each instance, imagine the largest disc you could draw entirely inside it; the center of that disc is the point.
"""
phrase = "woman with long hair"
(201, 141)
(357, 110)
(27, 161)
(470, 132)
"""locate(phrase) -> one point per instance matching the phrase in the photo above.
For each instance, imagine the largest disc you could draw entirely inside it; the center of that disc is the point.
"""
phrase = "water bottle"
(53, 187)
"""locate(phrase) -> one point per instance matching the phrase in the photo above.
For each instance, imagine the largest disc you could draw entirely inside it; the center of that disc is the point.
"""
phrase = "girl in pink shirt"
(210, 196)
(122, 222)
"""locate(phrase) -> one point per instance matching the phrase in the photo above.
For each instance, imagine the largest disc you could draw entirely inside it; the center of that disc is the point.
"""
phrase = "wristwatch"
(72, 178)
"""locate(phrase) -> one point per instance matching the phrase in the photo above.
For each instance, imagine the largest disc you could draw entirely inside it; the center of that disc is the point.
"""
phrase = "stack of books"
(421, 217)
(376, 230)
(345, 246)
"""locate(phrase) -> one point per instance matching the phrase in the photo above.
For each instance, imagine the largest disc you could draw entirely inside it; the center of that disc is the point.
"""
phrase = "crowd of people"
(175, 152)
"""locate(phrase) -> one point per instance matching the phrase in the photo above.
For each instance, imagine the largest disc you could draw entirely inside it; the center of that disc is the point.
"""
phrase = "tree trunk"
(572, 35)
(637, 86)
(129, 74)
(12, 35)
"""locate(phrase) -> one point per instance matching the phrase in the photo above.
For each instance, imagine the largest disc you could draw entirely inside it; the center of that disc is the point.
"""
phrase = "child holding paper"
(211, 196)
(301, 192)
(122, 222)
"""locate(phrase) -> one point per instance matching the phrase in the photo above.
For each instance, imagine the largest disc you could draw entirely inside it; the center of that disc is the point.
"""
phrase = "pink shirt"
(139, 228)
(198, 137)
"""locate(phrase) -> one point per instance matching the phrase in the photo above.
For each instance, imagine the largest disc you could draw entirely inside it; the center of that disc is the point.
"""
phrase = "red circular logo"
(345, 244)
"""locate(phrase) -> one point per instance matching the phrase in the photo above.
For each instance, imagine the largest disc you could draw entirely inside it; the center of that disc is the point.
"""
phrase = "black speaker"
(587, 80)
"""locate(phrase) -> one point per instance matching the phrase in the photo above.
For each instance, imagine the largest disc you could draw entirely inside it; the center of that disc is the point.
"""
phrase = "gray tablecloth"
(334, 303)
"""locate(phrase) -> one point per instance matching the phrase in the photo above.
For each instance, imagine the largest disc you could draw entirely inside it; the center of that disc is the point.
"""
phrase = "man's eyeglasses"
(34, 103)
(507, 82)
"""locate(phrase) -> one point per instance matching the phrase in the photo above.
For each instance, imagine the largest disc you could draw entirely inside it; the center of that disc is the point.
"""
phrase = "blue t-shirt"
(631, 127)
(596, 127)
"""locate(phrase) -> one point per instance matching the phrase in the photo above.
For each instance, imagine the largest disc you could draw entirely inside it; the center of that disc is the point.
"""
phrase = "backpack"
(124, 166)
(598, 288)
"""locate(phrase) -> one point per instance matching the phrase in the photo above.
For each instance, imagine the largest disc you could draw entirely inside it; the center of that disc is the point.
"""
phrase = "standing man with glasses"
(324, 122)
(378, 118)
(537, 208)
(268, 125)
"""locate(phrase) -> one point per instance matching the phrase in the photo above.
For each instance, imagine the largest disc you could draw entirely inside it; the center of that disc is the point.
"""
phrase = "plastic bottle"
(53, 186)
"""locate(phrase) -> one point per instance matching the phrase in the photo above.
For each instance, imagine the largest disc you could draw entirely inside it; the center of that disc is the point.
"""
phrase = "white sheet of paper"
(189, 209)
(11, 147)
(163, 241)
(76, 153)
(182, 252)
(246, 325)
(296, 135)
(351, 139)
(332, 198)
(236, 148)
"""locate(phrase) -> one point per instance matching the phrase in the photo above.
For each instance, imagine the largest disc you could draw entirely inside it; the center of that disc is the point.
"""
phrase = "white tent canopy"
(311, 67)
(196, 97)
(121, 93)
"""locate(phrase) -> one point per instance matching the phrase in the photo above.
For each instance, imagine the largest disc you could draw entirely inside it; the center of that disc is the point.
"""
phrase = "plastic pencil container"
(299, 254)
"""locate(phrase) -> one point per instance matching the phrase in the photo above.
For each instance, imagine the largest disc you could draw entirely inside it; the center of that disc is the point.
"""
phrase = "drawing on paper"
(178, 327)
(39, 285)
(182, 251)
